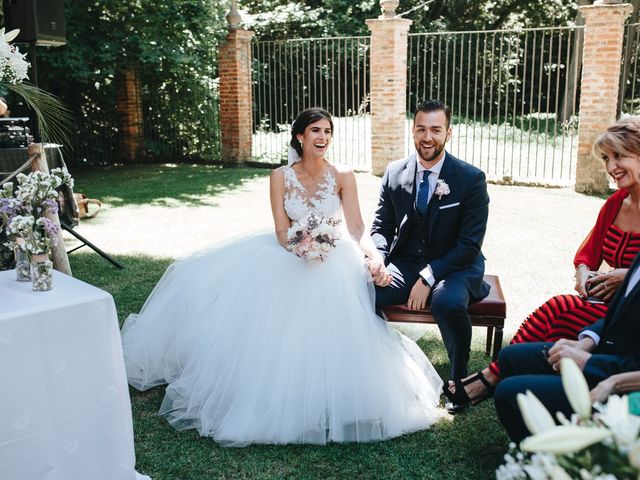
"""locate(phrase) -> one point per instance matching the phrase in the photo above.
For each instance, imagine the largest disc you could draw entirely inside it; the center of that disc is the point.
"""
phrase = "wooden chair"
(489, 312)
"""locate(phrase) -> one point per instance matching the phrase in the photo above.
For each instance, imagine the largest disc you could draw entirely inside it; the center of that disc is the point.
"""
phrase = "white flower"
(575, 388)
(9, 36)
(564, 439)
(536, 417)
(322, 229)
(615, 415)
(442, 188)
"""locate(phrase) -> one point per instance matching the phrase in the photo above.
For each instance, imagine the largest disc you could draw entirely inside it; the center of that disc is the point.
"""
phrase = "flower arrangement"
(442, 189)
(602, 446)
(53, 117)
(24, 214)
(313, 238)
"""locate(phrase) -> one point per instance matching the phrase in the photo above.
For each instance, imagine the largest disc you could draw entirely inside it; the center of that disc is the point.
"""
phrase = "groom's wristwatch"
(424, 281)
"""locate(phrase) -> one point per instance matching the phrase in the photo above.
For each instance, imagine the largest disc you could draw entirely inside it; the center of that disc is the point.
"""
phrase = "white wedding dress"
(259, 346)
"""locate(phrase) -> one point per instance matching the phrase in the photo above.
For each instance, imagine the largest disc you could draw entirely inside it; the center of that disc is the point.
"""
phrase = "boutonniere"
(442, 188)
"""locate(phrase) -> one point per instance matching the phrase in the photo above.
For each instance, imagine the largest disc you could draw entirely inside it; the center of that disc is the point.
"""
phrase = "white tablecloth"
(65, 412)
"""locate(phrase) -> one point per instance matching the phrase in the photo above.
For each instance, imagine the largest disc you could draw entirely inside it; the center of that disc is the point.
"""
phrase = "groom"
(429, 226)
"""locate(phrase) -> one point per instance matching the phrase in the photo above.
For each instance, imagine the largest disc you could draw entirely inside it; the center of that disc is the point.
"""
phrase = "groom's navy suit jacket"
(619, 331)
(456, 223)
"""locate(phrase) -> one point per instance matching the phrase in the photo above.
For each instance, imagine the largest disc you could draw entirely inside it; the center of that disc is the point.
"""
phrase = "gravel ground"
(531, 237)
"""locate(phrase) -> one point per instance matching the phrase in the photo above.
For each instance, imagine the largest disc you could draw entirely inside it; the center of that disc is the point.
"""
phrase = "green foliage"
(52, 115)
(172, 45)
(281, 19)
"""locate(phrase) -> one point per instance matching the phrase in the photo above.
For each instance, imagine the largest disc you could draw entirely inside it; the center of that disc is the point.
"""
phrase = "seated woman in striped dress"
(615, 238)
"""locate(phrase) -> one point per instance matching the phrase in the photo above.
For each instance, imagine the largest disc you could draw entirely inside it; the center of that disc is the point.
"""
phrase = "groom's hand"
(379, 273)
(418, 296)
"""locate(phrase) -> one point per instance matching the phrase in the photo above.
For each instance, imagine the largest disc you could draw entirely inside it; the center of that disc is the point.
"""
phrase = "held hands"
(582, 275)
(379, 273)
(577, 350)
(604, 285)
(418, 296)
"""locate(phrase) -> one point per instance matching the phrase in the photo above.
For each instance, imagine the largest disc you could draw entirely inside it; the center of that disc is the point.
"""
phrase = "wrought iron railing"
(629, 96)
(514, 97)
(291, 75)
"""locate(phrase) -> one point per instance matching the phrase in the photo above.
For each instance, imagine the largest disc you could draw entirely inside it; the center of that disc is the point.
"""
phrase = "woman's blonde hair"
(623, 137)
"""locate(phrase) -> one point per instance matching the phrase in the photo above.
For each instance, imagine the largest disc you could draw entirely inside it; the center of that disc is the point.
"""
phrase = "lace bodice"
(299, 202)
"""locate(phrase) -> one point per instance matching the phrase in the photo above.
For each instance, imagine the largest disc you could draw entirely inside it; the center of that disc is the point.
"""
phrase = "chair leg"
(497, 343)
(487, 350)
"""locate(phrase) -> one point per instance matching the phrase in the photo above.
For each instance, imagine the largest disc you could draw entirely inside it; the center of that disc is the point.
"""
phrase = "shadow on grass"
(161, 185)
(469, 447)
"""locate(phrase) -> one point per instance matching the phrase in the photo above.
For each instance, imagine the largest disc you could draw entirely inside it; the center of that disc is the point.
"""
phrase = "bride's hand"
(379, 273)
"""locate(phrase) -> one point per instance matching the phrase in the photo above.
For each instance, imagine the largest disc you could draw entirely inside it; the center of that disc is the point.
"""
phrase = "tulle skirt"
(259, 346)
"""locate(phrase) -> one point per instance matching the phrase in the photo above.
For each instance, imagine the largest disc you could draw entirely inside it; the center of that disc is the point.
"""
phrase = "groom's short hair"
(432, 106)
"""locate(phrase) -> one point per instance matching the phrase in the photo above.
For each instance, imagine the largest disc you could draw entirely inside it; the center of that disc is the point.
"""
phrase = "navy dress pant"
(523, 366)
(449, 301)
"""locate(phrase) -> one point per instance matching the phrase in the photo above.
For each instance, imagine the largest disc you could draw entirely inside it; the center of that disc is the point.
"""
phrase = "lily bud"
(575, 388)
(536, 417)
(564, 439)
(9, 36)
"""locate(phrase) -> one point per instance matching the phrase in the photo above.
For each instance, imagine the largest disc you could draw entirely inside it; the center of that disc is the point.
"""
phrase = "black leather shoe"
(454, 408)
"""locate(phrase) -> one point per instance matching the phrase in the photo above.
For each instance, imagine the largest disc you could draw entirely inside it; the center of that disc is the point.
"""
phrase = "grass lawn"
(471, 446)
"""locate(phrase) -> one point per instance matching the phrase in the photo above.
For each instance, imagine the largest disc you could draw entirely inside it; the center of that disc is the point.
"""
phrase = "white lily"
(10, 36)
(576, 388)
(536, 417)
(615, 415)
(564, 439)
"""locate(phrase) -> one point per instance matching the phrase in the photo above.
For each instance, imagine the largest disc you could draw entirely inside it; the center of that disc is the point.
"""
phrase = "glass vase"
(41, 273)
(23, 266)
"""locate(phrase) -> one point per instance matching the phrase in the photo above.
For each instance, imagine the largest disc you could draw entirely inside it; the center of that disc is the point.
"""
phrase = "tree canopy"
(277, 19)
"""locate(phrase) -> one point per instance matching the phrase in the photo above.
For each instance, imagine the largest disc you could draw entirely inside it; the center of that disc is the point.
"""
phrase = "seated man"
(608, 347)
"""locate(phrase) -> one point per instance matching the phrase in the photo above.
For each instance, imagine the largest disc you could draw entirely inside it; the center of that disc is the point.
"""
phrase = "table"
(65, 412)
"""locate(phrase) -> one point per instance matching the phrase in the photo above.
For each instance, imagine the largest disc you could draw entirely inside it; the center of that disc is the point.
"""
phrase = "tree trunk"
(130, 114)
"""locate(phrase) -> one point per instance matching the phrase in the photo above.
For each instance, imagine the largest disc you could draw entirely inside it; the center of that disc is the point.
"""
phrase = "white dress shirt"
(426, 272)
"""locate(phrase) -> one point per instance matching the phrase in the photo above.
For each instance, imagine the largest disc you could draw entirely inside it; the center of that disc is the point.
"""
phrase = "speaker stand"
(87, 243)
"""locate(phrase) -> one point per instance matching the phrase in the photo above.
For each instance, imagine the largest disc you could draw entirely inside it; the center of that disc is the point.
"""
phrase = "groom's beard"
(428, 155)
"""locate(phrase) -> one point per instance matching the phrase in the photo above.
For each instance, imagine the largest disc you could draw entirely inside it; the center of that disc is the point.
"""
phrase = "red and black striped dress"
(563, 316)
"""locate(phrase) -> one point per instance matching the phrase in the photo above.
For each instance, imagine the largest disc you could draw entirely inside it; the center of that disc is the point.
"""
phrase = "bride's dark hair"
(305, 118)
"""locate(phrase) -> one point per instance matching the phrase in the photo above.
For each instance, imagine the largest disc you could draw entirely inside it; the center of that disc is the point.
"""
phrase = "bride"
(274, 339)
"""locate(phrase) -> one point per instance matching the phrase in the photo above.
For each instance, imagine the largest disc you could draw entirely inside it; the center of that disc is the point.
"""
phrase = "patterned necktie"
(422, 198)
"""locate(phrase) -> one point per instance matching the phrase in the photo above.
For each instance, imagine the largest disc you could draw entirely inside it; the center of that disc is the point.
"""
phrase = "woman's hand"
(603, 390)
(582, 275)
(605, 285)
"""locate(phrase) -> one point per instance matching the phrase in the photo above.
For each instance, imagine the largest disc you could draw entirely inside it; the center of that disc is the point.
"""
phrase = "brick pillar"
(388, 75)
(130, 116)
(603, 35)
(236, 123)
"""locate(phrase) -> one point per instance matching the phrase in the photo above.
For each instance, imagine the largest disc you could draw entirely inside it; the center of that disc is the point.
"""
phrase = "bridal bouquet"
(314, 238)
(24, 215)
(604, 446)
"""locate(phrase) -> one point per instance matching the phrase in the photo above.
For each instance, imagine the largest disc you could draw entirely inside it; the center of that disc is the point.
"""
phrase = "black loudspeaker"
(39, 21)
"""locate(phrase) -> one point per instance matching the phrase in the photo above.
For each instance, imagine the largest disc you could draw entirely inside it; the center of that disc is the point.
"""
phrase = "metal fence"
(629, 103)
(514, 97)
(291, 75)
